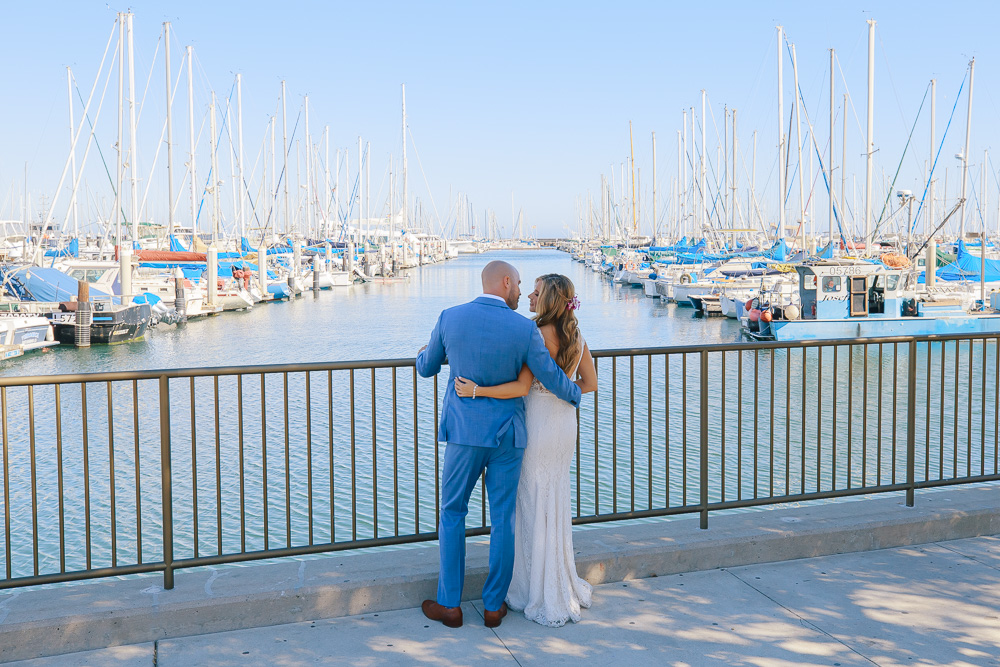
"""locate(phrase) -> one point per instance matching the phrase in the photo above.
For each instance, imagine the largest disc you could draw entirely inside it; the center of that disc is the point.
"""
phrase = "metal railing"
(123, 473)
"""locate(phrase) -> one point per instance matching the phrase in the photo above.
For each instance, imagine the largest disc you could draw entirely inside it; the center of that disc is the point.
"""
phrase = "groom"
(488, 343)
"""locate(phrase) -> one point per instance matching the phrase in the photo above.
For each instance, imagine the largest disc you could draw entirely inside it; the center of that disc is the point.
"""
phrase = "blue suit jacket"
(488, 343)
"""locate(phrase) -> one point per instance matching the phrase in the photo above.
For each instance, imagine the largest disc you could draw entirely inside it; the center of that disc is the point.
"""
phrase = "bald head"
(502, 279)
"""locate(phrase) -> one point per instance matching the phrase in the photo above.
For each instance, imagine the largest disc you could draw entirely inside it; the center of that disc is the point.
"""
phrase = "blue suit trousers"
(463, 465)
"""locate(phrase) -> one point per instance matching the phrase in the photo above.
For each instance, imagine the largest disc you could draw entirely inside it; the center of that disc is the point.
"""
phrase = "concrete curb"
(52, 621)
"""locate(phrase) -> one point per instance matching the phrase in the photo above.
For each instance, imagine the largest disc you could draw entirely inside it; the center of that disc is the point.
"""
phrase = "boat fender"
(754, 315)
(766, 316)
(685, 278)
(748, 306)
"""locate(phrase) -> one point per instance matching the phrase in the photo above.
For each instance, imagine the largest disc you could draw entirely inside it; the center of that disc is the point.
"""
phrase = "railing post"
(703, 485)
(911, 420)
(165, 485)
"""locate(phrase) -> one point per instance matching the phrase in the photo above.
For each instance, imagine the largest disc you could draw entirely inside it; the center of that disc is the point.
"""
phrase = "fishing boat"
(858, 299)
(110, 323)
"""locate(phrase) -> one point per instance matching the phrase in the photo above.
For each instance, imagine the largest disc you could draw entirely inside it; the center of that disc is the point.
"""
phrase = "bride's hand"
(464, 388)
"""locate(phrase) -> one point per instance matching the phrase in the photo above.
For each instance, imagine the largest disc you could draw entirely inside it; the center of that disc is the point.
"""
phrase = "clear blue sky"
(529, 97)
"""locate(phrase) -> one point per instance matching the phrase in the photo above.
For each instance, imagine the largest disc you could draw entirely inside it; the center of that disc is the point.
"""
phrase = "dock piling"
(81, 333)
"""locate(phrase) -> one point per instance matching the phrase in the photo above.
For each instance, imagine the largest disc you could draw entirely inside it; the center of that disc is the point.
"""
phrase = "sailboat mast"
(679, 193)
(752, 203)
(72, 152)
(368, 184)
(732, 180)
(405, 193)
(829, 171)
(965, 153)
(284, 154)
(631, 152)
(798, 148)
(191, 157)
(133, 145)
(781, 142)
(843, 164)
(121, 131)
(309, 210)
(682, 165)
(704, 200)
(929, 219)
(170, 131)
(214, 183)
(653, 225)
(869, 140)
(239, 138)
(326, 185)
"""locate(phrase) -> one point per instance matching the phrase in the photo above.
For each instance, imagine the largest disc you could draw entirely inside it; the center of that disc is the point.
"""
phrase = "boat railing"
(152, 471)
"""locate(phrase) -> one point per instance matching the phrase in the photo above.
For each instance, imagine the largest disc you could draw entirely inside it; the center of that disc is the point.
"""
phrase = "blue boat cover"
(967, 267)
(147, 297)
(50, 285)
(71, 250)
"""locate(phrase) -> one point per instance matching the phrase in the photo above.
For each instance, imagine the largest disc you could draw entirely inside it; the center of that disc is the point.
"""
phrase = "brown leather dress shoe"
(450, 616)
(492, 619)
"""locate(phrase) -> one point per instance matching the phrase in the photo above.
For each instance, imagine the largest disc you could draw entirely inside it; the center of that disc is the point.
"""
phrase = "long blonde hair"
(556, 305)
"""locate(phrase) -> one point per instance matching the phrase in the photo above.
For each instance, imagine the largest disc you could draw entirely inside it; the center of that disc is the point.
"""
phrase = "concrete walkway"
(933, 604)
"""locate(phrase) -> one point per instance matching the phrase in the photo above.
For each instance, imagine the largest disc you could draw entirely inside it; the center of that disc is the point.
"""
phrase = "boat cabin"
(839, 289)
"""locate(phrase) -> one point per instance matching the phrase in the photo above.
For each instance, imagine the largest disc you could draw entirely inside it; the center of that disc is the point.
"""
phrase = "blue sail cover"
(71, 250)
(779, 251)
(827, 252)
(176, 245)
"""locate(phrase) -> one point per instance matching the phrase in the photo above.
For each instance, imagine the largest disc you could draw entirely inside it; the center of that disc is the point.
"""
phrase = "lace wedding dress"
(545, 584)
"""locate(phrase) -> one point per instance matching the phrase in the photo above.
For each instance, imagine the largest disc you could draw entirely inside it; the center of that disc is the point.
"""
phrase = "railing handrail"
(702, 444)
(408, 362)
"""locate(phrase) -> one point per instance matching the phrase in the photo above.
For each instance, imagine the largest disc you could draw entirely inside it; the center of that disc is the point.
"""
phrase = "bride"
(545, 583)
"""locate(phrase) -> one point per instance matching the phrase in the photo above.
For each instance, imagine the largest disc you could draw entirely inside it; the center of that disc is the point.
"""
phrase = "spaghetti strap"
(579, 359)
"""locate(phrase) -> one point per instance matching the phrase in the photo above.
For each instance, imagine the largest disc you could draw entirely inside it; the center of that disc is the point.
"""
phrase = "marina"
(226, 235)
(289, 224)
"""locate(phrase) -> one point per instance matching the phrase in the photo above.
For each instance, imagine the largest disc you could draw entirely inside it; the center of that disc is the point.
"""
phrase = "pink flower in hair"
(573, 304)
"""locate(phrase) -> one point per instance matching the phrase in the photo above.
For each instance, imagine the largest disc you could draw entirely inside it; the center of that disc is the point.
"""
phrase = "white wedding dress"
(545, 584)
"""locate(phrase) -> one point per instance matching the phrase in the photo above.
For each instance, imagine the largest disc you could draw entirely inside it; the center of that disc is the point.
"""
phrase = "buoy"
(766, 316)
(748, 305)
(792, 312)
(754, 315)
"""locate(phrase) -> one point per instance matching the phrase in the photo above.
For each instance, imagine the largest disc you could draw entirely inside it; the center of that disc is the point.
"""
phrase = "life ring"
(632, 266)
(685, 278)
